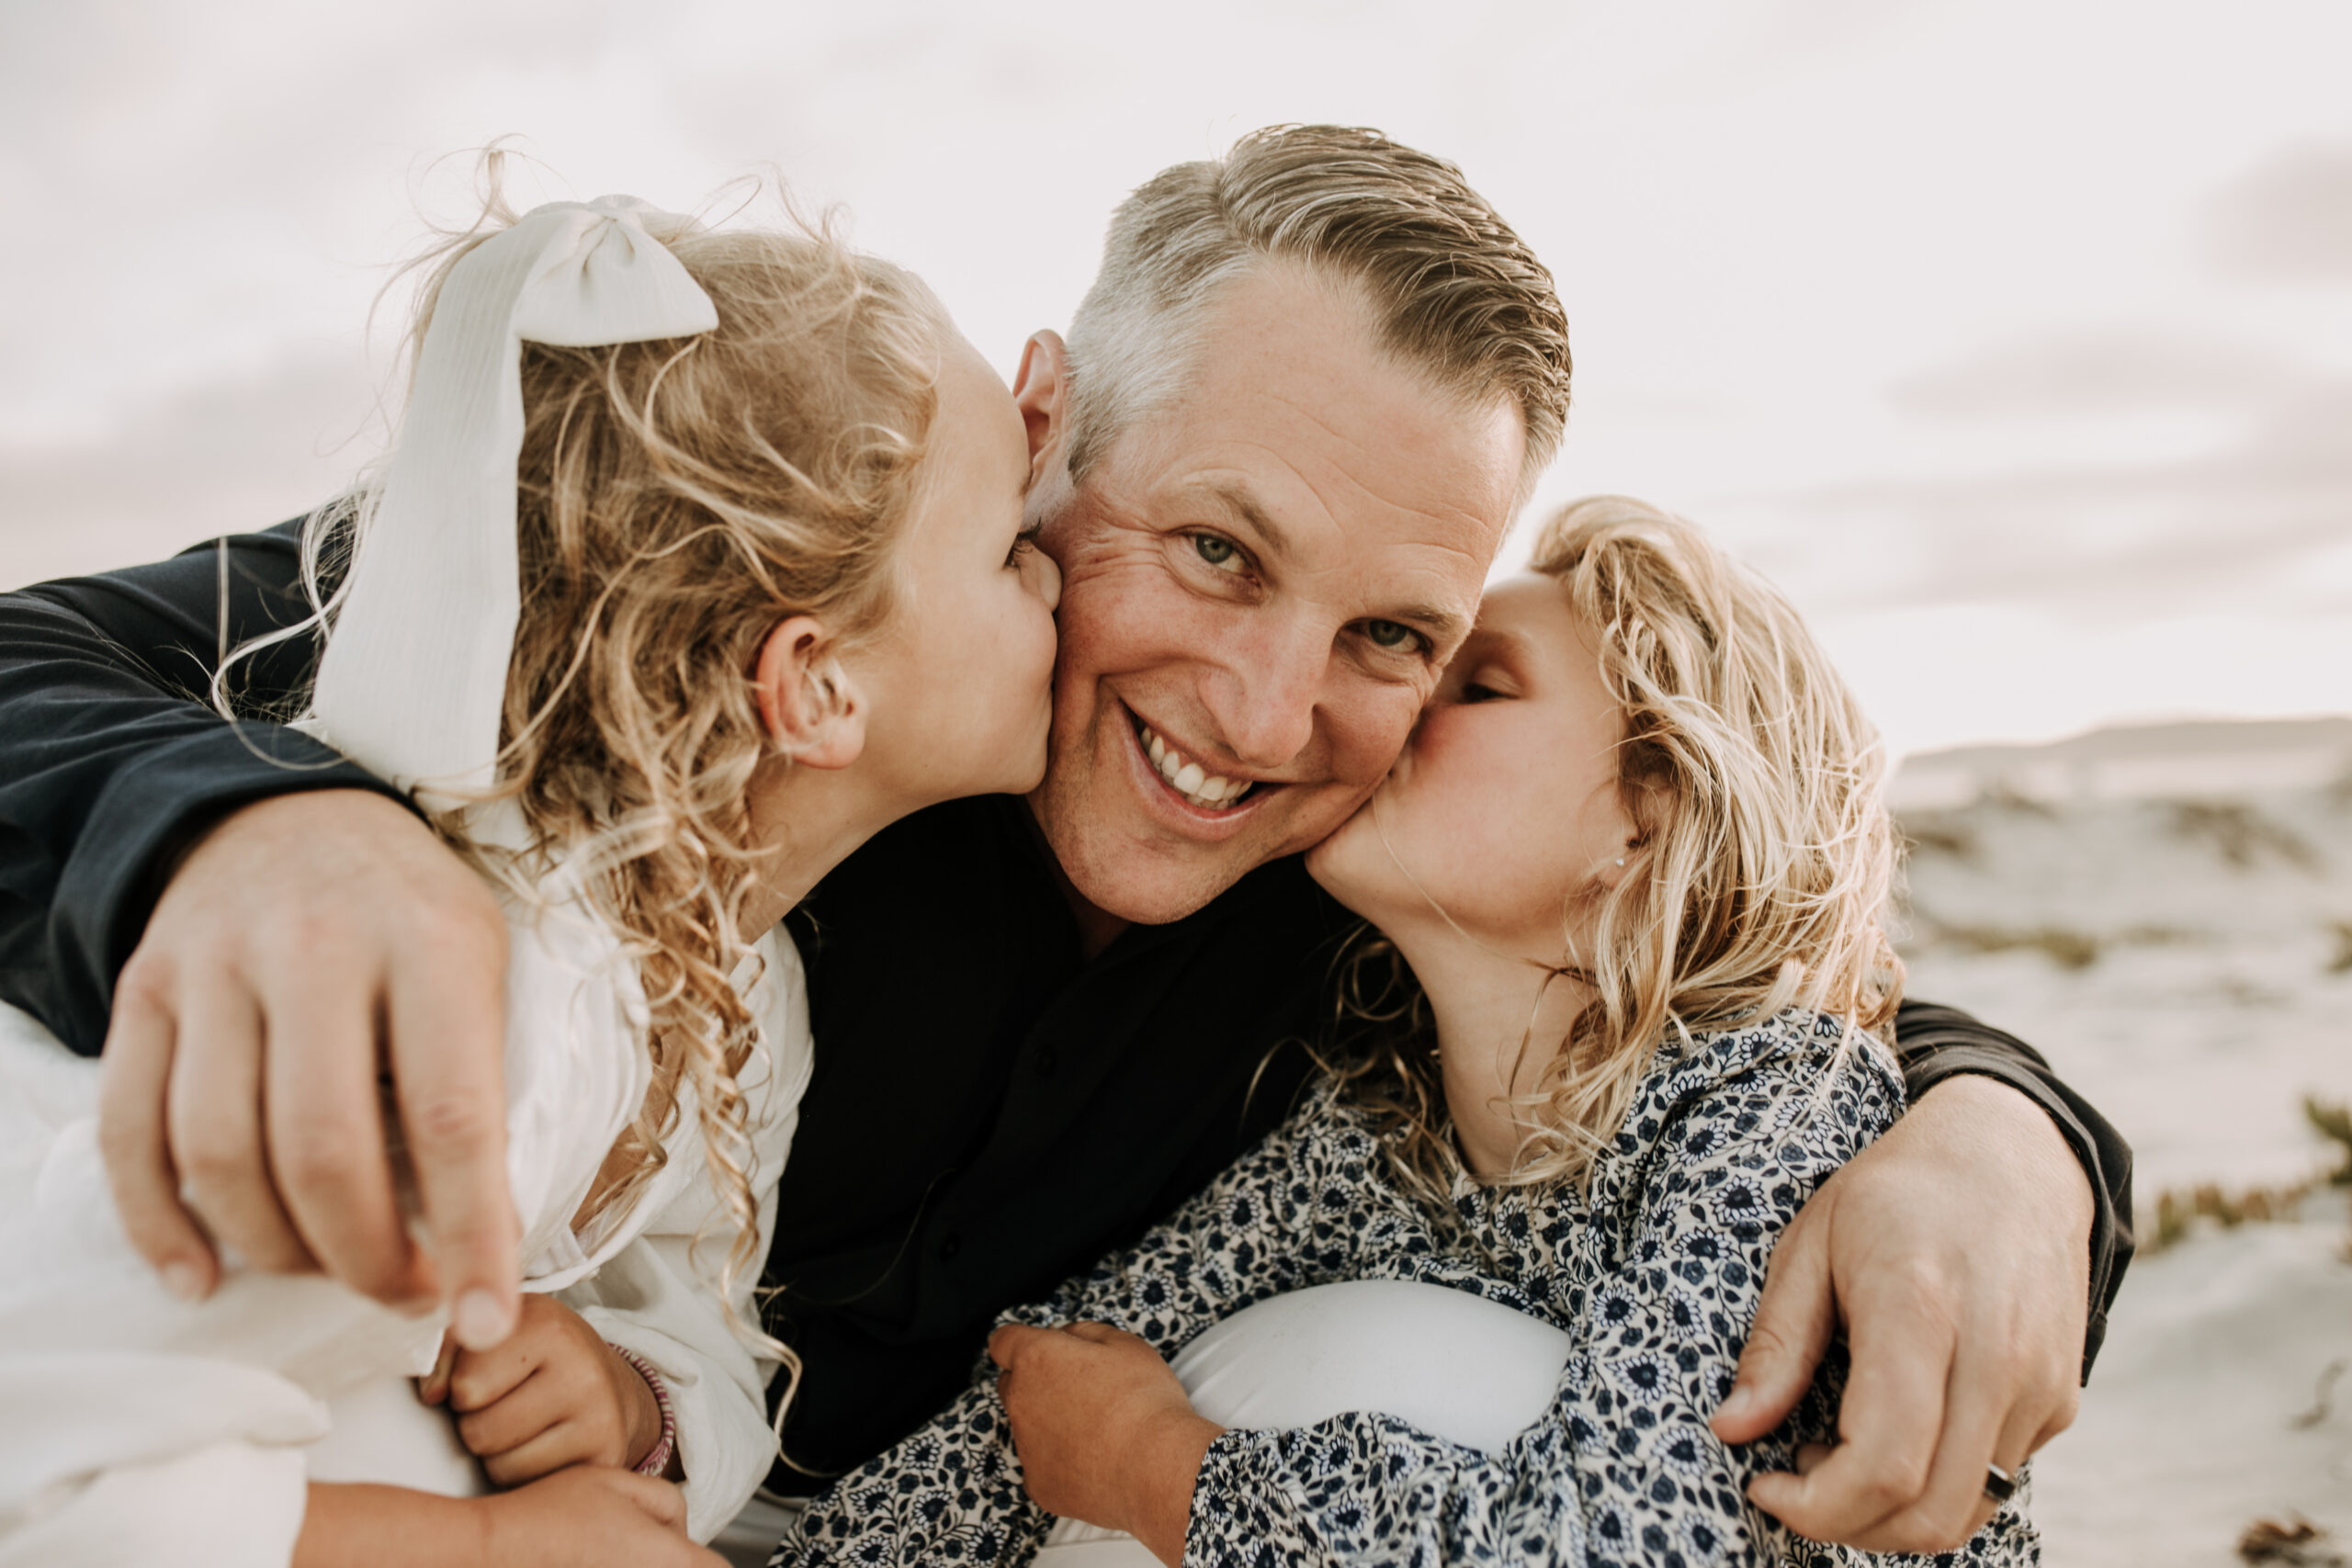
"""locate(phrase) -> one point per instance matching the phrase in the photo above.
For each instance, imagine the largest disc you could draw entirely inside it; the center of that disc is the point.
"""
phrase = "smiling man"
(1292, 423)
(1273, 577)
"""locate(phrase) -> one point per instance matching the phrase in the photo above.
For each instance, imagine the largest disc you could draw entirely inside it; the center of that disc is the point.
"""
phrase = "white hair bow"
(414, 679)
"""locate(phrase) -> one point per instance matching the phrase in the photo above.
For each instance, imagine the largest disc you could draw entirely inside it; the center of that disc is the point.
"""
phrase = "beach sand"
(2187, 967)
(2189, 1429)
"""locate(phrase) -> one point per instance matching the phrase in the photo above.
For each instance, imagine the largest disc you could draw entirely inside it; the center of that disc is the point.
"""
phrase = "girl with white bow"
(620, 613)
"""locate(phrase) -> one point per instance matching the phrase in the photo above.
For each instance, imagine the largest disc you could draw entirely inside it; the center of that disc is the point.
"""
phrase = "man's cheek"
(1369, 740)
(1101, 615)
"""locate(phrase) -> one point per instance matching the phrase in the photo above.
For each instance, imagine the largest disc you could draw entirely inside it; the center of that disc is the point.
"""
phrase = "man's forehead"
(1296, 360)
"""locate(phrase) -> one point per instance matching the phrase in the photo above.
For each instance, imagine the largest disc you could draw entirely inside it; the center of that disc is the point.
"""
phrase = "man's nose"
(1262, 697)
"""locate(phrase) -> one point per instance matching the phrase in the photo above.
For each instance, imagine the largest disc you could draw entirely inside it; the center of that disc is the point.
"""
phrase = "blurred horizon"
(2014, 341)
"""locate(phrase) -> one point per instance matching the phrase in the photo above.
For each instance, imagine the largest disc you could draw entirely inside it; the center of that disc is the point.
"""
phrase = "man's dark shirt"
(989, 1111)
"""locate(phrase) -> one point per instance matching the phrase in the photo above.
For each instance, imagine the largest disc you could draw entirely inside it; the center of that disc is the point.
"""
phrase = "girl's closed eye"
(1488, 680)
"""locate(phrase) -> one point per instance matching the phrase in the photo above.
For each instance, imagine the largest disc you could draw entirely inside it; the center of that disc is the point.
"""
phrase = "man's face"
(1259, 588)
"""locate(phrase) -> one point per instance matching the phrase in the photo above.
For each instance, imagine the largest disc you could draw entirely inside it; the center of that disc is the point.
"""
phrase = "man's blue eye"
(1389, 633)
(1216, 551)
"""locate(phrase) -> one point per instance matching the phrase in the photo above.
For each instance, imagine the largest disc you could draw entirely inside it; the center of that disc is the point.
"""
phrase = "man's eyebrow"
(1236, 500)
(1440, 624)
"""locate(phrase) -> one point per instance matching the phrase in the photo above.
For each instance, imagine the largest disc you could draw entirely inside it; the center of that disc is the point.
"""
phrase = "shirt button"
(1048, 1060)
(949, 1245)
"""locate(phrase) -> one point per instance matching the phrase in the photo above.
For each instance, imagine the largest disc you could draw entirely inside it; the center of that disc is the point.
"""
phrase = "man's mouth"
(1208, 791)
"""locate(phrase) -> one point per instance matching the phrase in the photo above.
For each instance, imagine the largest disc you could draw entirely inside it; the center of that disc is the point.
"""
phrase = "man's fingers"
(133, 1138)
(448, 1033)
(326, 1134)
(1008, 1342)
(1890, 1422)
(1096, 1333)
(1794, 1320)
(213, 1110)
(2056, 1422)
(1978, 1426)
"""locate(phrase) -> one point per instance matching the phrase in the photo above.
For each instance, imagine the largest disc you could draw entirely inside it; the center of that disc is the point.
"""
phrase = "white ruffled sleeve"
(657, 1299)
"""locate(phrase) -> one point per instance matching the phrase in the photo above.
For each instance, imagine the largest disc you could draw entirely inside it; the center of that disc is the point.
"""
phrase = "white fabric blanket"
(137, 1428)
(1455, 1364)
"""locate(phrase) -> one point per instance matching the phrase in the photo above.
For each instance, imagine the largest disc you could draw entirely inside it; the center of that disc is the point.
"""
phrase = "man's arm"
(1968, 1257)
(246, 922)
(112, 764)
(1938, 1044)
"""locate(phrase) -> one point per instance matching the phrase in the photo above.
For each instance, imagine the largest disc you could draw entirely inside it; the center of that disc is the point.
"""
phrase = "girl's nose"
(1044, 578)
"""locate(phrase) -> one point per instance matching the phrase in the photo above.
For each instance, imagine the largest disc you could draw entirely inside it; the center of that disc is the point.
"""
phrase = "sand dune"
(2185, 959)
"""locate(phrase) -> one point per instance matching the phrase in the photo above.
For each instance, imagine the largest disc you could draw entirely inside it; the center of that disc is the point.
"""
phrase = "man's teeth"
(1205, 789)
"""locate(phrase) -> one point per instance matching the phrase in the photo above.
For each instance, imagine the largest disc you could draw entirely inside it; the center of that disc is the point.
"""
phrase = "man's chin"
(1128, 866)
(1153, 889)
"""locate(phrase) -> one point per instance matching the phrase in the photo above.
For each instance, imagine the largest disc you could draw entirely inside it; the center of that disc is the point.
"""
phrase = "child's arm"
(954, 1488)
(578, 1518)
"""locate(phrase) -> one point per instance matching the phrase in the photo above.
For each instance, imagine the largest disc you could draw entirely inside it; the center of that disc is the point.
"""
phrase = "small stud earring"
(1620, 860)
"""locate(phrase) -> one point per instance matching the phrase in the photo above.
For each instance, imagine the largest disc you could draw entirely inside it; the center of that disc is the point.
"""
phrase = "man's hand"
(305, 941)
(1104, 1430)
(551, 1395)
(1955, 1252)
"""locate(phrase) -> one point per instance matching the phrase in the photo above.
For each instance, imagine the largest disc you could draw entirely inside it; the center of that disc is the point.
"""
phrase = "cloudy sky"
(2013, 337)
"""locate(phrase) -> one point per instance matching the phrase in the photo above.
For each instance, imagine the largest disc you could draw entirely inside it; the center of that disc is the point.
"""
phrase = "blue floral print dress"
(1653, 1271)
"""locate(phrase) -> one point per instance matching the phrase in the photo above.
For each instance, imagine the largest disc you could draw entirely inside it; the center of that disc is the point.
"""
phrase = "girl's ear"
(813, 710)
(1632, 846)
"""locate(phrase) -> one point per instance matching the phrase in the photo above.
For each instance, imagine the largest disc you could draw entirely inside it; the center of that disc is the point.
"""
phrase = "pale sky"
(2012, 337)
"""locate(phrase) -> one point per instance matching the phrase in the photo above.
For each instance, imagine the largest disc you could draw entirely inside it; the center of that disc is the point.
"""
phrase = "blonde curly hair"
(677, 500)
(1761, 870)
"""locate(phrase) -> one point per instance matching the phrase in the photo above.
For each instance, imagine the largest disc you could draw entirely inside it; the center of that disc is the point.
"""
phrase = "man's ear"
(1041, 387)
(813, 710)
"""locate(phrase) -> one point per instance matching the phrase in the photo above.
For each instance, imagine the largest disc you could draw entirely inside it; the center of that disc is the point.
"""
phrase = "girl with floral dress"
(1620, 1011)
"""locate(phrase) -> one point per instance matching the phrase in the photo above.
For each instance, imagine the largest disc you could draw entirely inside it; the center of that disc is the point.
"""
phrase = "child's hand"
(552, 1394)
(1102, 1428)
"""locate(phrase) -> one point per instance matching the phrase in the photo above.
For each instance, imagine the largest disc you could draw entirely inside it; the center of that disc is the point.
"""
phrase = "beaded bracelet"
(658, 1461)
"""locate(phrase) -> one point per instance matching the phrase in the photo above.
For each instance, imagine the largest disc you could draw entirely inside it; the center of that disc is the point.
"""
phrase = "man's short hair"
(1455, 293)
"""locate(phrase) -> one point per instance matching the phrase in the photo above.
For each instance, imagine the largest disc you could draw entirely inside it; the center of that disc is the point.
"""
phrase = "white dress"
(135, 1428)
